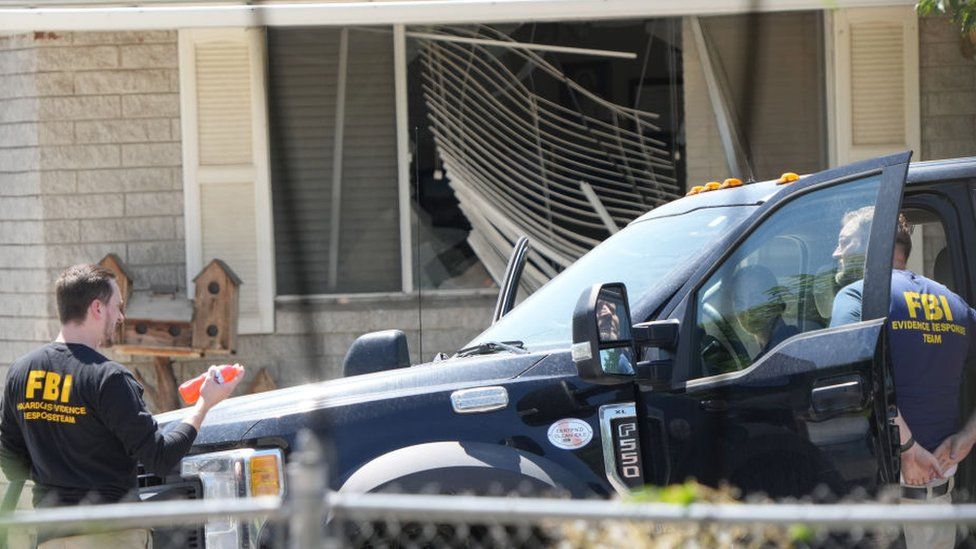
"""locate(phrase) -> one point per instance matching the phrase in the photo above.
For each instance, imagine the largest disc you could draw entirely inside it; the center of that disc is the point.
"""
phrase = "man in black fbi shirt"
(74, 421)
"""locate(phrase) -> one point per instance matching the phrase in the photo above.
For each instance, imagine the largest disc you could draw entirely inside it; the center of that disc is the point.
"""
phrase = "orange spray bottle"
(190, 390)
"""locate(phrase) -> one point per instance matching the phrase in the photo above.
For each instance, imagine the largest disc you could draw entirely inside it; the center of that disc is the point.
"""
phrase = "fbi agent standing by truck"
(75, 422)
(931, 335)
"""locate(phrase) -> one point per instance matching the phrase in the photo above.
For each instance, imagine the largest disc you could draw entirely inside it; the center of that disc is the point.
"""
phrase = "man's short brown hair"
(903, 235)
(78, 286)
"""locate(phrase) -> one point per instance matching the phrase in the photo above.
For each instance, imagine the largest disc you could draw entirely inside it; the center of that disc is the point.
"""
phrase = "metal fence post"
(307, 489)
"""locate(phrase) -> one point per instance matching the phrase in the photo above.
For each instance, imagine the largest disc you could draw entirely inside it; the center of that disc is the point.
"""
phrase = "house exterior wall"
(24, 306)
(948, 102)
(948, 88)
(704, 155)
(90, 163)
(311, 338)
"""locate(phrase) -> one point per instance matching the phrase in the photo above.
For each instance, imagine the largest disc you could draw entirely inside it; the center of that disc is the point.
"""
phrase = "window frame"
(942, 206)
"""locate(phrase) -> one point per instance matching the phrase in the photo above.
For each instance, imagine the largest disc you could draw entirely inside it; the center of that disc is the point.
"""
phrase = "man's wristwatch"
(908, 444)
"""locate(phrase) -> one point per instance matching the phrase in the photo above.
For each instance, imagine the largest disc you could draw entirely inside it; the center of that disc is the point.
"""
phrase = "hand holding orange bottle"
(190, 390)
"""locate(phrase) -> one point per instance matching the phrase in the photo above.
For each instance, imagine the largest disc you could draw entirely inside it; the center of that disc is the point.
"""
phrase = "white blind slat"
(877, 84)
(224, 103)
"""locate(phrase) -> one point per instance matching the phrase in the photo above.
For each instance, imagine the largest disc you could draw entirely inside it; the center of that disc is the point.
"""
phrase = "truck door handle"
(842, 394)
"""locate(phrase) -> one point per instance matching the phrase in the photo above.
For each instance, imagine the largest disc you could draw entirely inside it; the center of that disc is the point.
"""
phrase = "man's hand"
(919, 467)
(212, 392)
(954, 449)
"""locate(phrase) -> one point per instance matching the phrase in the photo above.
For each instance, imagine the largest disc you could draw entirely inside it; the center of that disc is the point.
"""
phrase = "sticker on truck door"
(570, 433)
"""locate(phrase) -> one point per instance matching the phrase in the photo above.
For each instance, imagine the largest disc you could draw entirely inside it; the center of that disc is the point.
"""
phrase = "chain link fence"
(311, 515)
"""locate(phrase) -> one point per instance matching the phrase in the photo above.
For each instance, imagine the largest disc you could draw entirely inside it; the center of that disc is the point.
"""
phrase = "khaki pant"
(136, 538)
(919, 536)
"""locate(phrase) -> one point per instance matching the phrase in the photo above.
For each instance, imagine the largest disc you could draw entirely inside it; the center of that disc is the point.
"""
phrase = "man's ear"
(96, 309)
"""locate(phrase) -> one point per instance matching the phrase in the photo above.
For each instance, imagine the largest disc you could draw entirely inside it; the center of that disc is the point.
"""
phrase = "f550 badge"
(626, 448)
(621, 446)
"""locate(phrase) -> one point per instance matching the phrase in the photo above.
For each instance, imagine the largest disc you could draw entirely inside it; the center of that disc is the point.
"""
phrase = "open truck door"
(767, 390)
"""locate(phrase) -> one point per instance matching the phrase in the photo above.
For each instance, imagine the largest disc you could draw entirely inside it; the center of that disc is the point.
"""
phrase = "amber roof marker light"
(787, 177)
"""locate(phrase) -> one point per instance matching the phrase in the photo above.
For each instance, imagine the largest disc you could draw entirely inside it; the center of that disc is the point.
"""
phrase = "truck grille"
(153, 487)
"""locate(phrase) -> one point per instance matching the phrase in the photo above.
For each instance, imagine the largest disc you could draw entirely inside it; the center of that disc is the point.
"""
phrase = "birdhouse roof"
(146, 305)
(230, 272)
(121, 265)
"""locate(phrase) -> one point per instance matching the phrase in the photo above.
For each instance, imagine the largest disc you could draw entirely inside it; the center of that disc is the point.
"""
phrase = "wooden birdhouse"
(113, 263)
(162, 323)
(158, 318)
(215, 307)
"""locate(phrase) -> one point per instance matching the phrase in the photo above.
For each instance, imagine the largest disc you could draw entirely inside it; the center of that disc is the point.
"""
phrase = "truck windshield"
(644, 256)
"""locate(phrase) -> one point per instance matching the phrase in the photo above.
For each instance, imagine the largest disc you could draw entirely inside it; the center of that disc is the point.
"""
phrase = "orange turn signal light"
(787, 177)
(731, 182)
(712, 186)
(695, 190)
(264, 476)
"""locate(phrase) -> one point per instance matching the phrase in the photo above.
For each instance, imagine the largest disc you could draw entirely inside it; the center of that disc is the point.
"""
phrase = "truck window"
(930, 248)
(781, 280)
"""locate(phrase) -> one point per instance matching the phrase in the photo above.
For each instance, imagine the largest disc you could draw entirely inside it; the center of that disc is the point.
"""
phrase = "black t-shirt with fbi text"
(76, 423)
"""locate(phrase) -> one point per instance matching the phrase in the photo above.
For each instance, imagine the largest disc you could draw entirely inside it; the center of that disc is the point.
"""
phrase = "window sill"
(385, 297)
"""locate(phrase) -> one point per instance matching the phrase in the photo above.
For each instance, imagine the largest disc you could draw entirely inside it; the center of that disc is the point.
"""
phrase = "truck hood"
(232, 418)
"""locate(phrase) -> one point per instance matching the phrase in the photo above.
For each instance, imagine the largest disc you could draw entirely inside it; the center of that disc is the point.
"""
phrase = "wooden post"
(169, 398)
(164, 395)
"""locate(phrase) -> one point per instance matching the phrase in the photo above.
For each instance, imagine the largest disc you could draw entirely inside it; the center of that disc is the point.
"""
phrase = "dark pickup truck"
(635, 365)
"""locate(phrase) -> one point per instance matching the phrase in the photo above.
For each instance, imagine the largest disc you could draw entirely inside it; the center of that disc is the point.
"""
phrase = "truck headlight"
(245, 472)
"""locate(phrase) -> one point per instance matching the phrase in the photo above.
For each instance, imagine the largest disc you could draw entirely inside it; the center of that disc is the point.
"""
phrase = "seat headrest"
(942, 269)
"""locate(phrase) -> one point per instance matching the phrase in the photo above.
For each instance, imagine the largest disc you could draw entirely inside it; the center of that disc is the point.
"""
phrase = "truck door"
(781, 382)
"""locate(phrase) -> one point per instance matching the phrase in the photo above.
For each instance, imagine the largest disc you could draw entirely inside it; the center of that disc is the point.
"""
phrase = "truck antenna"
(419, 282)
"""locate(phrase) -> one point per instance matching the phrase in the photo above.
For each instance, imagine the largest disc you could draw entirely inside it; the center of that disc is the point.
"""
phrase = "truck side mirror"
(376, 352)
(603, 344)
(659, 339)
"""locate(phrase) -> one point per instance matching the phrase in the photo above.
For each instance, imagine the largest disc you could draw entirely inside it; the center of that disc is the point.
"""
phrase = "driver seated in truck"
(757, 300)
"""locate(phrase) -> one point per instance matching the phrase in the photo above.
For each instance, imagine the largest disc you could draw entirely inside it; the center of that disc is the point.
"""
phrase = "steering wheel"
(721, 347)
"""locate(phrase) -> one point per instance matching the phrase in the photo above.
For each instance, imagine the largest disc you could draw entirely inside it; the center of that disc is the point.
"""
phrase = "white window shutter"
(876, 82)
(226, 164)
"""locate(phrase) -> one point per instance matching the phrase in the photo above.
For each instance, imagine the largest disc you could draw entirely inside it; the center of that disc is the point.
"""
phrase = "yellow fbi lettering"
(932, 306)
(51, 386)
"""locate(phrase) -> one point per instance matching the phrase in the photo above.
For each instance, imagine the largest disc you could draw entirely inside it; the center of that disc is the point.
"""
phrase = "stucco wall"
(948, 87)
